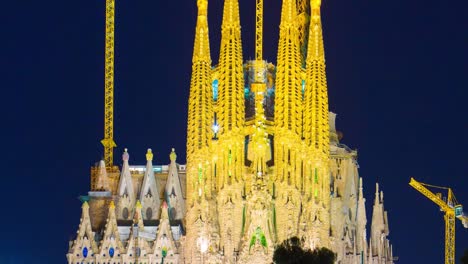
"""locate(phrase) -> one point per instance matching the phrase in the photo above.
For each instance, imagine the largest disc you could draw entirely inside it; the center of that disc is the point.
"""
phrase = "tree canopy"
(291, 251)
(464, 259)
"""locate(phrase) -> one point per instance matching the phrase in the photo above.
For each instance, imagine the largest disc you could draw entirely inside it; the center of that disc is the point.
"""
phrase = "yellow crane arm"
(433, 197)
(464, 219)
(452, 211)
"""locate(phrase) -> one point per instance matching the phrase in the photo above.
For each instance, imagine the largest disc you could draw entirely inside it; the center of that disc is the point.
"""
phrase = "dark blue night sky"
(397, 78)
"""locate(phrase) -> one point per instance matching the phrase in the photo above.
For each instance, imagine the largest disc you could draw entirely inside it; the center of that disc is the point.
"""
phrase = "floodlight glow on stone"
(203, 244)
(283, 130)
(215, 128)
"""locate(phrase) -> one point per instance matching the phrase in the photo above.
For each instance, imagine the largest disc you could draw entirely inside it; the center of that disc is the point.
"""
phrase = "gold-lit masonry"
(258, 155)
(264, 160)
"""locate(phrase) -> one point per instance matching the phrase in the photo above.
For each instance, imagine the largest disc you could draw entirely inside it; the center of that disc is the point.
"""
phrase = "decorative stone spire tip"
(202, 6)
(149, 155)
(316, 4)
(173, 155)
(376, 200)
(125, 155)
(112, 205)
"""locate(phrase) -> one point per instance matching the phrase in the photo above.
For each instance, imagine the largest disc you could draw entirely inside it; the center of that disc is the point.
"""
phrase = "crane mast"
(259, 31)
(452, 210)
(108, 141)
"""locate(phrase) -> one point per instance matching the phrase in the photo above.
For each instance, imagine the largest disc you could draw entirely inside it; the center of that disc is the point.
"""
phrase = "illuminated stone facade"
(133, 215)
(264, 164)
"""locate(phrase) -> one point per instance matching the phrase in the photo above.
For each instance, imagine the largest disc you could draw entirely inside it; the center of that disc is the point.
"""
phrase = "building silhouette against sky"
(264, 164)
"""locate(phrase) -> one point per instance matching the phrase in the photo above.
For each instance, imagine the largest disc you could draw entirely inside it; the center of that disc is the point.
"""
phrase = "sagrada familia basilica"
(264, 164)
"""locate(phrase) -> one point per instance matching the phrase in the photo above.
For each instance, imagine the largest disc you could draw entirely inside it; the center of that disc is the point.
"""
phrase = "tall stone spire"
(377, 225)
(230, 111)
(125, 184)
(231, 83)
(102, 181)
(229, 153)
(164, 247)
(149, 194)
(137, 246)
(111, 242)
(84, 246)
(288, 125)
(317, 130)
(316, 124)
(288, 81)
(126, 192)
(201, 50)
(201, 119)
(173, 190)
(111, 229)
(200, 114)
(361, 221)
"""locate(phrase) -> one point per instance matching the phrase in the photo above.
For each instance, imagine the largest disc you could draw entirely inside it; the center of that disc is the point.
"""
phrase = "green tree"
(464, 259)
(291, 251)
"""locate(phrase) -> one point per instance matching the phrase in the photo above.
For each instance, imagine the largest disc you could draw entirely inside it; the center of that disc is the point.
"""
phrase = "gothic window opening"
(125, 213)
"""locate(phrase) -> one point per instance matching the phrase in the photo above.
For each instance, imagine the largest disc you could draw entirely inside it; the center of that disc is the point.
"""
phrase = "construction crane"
(259, 64)
(259, 30)
(452, 209)
(108, 141)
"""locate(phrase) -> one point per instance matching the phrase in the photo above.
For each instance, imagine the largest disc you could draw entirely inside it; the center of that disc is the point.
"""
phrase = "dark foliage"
(464, 259)
(291, 251)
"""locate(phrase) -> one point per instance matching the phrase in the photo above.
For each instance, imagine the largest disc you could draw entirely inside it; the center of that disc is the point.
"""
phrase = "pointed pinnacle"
(288, 12)
(149, 155)
(231, 13)
(125, 155)
(173, 155)
(138, 204)
(315, 4)
(202, 7)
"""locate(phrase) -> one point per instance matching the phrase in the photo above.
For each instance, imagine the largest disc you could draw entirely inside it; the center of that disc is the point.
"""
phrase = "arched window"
(149, 213)
(125, 213)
